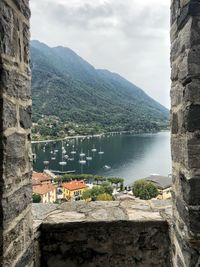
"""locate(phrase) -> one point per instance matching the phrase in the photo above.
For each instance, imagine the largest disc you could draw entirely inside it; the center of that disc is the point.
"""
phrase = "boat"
(88, 158)
(82, 154)
(82, 161)
(66, 156)
(73, 152)
(34, 156)
(62, 163)
(56, 150)
(101, 152)
(46, 162)
(93, 149)
(71, 159)
(53, 158)
(107, 167)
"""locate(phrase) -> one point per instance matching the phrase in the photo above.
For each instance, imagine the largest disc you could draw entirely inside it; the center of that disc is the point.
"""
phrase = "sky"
(129, 37)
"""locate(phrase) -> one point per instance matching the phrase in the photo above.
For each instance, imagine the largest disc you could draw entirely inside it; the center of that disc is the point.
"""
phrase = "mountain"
(67, 86)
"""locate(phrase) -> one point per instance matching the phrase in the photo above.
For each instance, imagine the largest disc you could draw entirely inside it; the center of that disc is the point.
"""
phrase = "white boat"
(82, 161)
(46, 162)
(73, 152)
(53, 158)
(88, 158)
(107, 167)
(93, 149)
(101, 152)
(66, 156)
(56, 151)
(71, 159)
(82, 154)
(62, 163)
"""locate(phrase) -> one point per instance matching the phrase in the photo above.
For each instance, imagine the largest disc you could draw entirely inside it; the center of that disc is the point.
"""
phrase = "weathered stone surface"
(16, 84)
(25, 117)
(116, 243)
(15, 164)
(185, 96)
(15, 145)
(9, 115)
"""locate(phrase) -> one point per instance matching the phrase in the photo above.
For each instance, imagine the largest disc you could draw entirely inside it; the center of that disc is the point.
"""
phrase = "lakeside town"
(50, 188)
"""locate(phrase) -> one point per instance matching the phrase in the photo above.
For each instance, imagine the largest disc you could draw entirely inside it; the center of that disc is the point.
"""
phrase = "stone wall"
(16, 246)
(185, 102)
(128, 233)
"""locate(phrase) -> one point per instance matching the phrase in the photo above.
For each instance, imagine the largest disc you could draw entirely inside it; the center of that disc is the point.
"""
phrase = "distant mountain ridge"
(67, 86)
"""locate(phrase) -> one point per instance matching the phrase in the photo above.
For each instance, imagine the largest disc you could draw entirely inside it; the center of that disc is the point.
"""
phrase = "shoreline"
(90, 136)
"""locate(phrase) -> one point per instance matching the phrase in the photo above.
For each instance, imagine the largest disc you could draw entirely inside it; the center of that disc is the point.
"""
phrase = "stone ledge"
(81, 211)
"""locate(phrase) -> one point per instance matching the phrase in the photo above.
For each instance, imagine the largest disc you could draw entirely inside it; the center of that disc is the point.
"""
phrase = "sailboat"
(101, 152)
(88, 158)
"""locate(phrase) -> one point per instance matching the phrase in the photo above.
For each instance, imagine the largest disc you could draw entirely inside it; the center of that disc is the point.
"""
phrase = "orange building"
(73, 190)
(40, 178)
(46, 191)
(42, 185)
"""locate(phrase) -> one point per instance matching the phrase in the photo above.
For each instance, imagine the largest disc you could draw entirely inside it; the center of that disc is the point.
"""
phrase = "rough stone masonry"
(185, 142)
(16, 245)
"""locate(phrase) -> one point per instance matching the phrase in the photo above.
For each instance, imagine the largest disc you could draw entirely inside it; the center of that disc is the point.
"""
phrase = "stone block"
(15, 204)
(9, 29)
(192, 118)
(16, 85)
(192, 92)
(176, 93)
(179, 150)
(189, 215)
(193, 152)
(15, 145)
(190, 189)
(9, 114)
(25, 117)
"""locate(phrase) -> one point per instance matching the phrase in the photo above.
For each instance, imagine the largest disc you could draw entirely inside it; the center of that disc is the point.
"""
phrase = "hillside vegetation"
(71, 93)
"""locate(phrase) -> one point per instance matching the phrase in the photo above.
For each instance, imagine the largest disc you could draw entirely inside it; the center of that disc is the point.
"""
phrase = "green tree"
(87, 194)
(144, 189)
(107, 187)
(36, 198)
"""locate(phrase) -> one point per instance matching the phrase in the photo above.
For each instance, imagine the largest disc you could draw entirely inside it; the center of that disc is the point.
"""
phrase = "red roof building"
(39, 178)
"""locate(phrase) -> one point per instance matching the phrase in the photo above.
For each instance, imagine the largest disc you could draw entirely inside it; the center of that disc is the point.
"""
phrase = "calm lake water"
(128, 156)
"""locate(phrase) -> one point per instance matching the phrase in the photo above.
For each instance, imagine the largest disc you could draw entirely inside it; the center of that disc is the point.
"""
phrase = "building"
(42, 185)
(39, 178)
(73, 190)
(46, 191)
(163, 184)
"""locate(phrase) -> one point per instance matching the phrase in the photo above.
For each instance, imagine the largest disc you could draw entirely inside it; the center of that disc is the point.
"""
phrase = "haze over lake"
(130, 156)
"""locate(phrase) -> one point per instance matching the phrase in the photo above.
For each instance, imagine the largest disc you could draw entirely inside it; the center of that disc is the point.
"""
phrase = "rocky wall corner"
(185, 128)
(16, 234)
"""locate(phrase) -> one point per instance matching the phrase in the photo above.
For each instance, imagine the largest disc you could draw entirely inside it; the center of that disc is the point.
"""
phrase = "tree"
(36, 198)
(107, 187)
(145, 189)
(104, 197)
(86, 195)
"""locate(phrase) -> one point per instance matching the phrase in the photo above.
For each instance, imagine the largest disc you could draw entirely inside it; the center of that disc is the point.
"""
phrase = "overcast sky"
(130, 37)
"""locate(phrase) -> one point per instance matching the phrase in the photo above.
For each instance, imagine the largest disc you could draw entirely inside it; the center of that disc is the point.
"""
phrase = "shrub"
(104, 197)
(36, 198)
(145, 189)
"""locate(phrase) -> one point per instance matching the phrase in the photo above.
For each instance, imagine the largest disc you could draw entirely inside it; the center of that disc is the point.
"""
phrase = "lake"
(125, 155)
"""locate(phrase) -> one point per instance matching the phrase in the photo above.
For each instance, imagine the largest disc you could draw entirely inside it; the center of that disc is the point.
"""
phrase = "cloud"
(130, 37)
